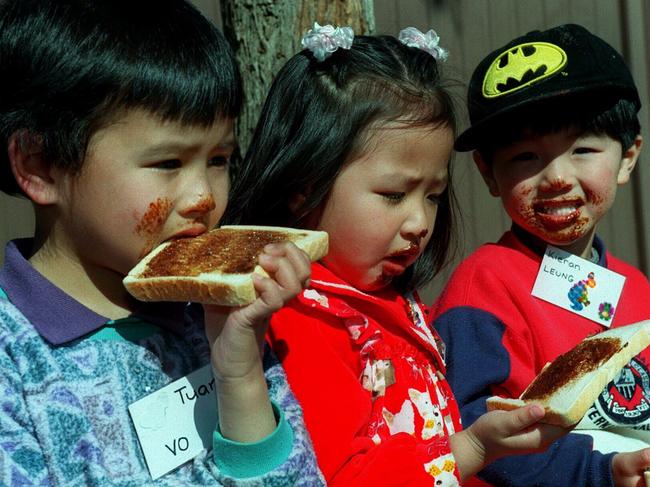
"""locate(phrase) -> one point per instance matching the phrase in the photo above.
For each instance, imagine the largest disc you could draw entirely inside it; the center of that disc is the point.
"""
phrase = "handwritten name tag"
(175, 423)
(579, 286)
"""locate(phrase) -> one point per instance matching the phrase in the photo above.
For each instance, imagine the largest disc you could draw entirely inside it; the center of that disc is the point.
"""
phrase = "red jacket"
(369, 376)
(499, 337)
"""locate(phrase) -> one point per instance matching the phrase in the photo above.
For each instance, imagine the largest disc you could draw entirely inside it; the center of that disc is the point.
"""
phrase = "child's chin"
(566, 236)
(380, 282)
(561, 239)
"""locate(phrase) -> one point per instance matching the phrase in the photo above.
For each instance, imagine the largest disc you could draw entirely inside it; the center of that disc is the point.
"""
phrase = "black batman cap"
(542, 66)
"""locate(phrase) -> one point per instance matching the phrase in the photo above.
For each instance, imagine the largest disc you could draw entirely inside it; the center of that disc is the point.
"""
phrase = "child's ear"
(630, 156)
(301, 217)
(296, 203)
(486, 171)
(32, 173)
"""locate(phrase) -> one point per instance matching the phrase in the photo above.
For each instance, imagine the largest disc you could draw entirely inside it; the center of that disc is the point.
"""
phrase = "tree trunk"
(266, 33)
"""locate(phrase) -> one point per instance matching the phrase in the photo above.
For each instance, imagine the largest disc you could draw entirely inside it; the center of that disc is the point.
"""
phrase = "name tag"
(175, 423)
(579, 286)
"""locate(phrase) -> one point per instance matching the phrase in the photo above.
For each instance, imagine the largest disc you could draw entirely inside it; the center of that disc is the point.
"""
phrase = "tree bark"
(266, 33)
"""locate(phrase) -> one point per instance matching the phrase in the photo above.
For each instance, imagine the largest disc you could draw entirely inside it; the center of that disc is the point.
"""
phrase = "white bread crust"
(216, 287)
(568, 404)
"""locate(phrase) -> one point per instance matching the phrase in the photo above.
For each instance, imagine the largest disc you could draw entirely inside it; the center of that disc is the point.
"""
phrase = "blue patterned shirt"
(64, 406)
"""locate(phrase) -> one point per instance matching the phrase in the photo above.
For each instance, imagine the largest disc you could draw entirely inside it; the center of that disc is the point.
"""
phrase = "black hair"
(70, 67)
(616, 118)
(316, 118)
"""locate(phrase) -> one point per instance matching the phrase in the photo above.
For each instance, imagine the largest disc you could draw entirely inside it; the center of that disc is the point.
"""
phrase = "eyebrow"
(166, 148)
(412, 181)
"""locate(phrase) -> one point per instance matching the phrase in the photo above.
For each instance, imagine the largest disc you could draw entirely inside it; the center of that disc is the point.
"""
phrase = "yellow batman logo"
(521, 66)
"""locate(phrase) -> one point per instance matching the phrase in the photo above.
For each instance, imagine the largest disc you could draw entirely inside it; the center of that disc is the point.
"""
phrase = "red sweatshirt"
(368, 373)
(499, 337)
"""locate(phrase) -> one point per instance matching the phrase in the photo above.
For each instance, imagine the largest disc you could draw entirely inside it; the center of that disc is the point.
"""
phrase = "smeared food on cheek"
(152, 221)
(526, 190)
(523, 203)
(525, 210)
(596, 198)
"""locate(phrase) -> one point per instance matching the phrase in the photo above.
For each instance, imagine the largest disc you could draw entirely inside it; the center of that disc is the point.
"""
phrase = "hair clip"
(428, 42)
(323, 40)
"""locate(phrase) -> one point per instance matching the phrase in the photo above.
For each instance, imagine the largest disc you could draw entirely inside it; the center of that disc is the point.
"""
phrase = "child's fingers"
(288, 266)
(628, 469)
(283, 273)
(638, 461)
(519, 419)
(300, 262)
(519, 430)
(529, 431)
(298, 258)
(644, 458)
(269, 292)
(537, 437)
(289, 269)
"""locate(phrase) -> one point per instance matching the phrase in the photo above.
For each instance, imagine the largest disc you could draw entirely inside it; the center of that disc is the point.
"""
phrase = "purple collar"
(57, 316)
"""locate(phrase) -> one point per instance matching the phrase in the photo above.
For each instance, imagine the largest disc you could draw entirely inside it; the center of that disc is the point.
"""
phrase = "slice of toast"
(570, 384)
(216, 267)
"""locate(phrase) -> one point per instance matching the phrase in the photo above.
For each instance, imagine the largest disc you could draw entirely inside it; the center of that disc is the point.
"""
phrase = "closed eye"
(584, 150)
(167, 164)
(524, 156)
(393, 197)
(219, 161)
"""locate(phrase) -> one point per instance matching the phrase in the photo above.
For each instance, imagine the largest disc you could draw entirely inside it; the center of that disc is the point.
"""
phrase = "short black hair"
(617, 119)
(69, 67)
(316, 118)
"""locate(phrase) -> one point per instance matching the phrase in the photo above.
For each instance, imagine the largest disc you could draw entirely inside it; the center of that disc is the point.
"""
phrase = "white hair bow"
(323, 40)
(428, 42)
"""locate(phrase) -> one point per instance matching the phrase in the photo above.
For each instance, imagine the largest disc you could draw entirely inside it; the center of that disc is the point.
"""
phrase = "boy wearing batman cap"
(554, 131)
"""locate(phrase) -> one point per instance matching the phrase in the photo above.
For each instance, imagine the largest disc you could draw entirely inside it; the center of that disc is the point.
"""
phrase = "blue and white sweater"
(64, 417)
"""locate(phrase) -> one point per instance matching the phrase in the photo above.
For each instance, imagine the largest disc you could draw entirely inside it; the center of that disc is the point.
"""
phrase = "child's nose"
(199, 206)
(197, 200)
(416, 227)
(557, 176)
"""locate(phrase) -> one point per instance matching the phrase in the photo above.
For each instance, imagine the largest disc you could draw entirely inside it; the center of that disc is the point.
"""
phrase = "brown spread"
(586, 357)
(224, 250)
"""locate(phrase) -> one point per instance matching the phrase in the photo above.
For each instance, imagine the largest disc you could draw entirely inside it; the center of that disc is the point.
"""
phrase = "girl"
(355, 139)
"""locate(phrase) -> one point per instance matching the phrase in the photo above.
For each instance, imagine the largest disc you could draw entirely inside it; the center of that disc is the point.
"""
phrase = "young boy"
(554, 131)
(116, 120)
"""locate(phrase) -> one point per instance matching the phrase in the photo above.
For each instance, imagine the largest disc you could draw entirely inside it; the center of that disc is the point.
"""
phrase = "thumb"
(525, 416)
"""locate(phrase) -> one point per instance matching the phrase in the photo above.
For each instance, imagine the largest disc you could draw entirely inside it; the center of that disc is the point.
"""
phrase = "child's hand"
(236, 336)
(628, 468)
(500, 433)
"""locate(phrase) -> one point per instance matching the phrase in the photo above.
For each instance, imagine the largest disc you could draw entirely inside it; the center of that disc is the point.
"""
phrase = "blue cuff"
(243, 460)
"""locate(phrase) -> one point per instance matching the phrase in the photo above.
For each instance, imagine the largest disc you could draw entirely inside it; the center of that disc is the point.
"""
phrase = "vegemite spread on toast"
(584, 358)
(224, 250)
